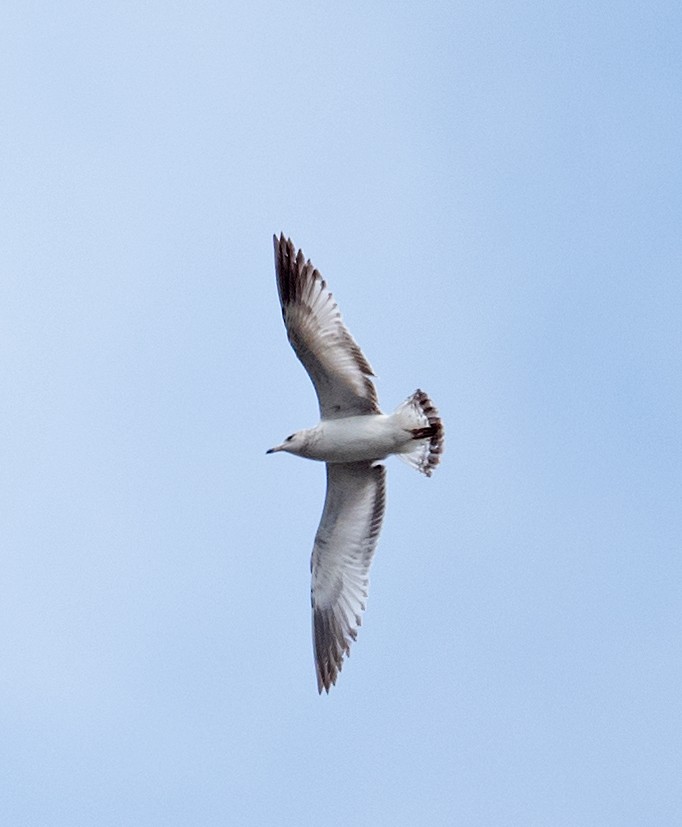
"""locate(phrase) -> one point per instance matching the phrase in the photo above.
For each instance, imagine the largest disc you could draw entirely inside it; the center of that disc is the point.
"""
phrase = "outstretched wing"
(344, 546)
(337, 367)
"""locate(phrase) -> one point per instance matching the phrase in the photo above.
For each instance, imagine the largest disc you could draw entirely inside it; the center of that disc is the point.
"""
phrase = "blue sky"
(493, 192)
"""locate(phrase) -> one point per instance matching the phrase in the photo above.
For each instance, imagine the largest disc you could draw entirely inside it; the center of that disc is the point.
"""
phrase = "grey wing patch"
(344, 547)
(337, 367)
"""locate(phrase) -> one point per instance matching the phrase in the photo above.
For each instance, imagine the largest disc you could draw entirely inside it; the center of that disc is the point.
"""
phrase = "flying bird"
(353, 435)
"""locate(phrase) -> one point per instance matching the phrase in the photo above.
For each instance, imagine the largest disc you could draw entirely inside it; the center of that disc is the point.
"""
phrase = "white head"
(294, 444)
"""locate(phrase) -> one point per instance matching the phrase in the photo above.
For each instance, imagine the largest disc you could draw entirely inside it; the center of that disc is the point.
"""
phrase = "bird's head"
(294, 444)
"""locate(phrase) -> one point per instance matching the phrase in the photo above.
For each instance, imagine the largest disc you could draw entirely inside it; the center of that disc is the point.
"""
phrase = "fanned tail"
(420, 417)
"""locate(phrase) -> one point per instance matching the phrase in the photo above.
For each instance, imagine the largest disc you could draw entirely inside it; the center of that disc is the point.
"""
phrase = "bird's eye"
(289, 438)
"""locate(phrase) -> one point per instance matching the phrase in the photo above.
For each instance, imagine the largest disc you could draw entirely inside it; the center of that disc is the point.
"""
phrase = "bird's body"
(366, 438)
(353, 435)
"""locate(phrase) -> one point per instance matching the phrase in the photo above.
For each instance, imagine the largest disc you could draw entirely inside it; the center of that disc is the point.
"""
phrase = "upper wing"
(344, 546)
(335, 363)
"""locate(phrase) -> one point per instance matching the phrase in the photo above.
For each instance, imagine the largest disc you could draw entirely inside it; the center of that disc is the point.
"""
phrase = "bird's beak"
(275, 449)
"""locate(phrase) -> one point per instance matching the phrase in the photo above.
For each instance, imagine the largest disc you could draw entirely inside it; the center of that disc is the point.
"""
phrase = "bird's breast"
(355, 439)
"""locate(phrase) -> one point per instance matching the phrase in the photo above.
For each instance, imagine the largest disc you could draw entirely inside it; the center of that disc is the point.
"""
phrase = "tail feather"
(423, 422)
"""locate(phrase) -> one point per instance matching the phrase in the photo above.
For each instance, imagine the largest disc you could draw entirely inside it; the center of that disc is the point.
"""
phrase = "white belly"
(357, 438)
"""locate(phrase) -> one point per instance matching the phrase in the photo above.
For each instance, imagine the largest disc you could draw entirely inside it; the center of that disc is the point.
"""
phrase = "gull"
(352, 437)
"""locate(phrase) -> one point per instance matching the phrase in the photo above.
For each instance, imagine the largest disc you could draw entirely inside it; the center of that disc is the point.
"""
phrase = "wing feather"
(344, 547)
(337, 367)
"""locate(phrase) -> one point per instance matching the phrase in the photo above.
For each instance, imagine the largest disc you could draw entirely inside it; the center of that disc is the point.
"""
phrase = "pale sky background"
(493, 191)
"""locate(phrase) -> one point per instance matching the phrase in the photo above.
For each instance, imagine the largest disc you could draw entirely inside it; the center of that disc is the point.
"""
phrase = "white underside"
(358, 438)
